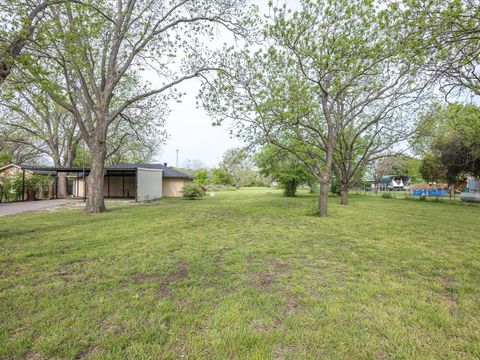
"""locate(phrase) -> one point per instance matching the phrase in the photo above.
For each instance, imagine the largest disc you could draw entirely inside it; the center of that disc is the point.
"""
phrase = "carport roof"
(167, 171)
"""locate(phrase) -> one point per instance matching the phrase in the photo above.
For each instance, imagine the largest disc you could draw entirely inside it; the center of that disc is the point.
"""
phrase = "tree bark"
(95, 201)
(343, 193)
(324, 178)
(323, 197)
(62, 184)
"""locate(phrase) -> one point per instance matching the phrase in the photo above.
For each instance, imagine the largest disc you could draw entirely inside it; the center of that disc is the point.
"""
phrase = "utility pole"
(177, 160)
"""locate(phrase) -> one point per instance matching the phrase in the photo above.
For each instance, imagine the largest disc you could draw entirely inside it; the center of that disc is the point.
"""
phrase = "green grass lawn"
(245, 274)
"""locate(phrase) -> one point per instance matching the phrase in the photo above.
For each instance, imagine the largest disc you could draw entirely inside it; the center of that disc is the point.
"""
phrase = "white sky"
(191, 132)
(190, 128)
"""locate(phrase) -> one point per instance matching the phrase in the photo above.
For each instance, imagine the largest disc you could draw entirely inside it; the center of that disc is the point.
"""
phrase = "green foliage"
(441, 35)
(222, 177)
(454, 144)
(432, 168)
(8, 189)
(11, 186)
(283, 167)
(5, 158)
(192, 191)
(387, 195)
(201, 177)
(413, 169)
(335, 185)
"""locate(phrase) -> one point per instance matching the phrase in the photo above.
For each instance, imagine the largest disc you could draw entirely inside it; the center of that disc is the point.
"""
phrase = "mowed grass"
(245, 274)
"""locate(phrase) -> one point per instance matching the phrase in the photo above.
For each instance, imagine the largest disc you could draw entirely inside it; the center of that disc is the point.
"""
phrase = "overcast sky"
(191, 132)
(190, 129)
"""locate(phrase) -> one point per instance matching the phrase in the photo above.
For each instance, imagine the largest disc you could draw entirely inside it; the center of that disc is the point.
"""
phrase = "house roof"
(167, 171)
(38, 170)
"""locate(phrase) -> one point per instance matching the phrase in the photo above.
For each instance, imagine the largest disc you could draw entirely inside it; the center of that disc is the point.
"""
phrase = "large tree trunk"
(62, 184)
(323, 197)
(325, 175)
(95, 201)
(343, 193)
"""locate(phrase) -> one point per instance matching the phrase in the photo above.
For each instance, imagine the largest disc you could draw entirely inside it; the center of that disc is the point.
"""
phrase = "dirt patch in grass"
(33, 356)
(181, 273)
(281, 267)
(449, 285)
(70, 269)
(107, 327)
(89, 353)
(263, 281)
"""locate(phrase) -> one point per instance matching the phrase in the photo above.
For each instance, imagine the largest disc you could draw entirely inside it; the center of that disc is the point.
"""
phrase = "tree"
(222, 177)
(25, 19)
(444, 37)
(201, 177)
(98, 58)
(455, 146)
(332, 65)
(30, 118)
(432, 168)
(238, 163)
(283, 167)
(16, 153)
(359, 145)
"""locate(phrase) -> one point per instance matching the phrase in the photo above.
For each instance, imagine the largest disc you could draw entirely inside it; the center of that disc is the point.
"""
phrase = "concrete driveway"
(20, 207)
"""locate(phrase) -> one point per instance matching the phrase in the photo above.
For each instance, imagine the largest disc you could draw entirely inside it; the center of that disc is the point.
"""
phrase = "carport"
(121, 181)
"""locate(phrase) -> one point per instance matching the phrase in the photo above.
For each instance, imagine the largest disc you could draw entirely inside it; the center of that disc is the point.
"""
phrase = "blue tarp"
(432, 192)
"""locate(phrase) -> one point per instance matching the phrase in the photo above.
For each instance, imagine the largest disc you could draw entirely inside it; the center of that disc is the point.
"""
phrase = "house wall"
(10, 171)
(116, 187)
(150, 183)
(173, 186)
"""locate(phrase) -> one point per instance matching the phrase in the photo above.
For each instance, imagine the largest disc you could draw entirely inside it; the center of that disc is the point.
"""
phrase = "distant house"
(394, 182)
(13, 170)
(135, 181)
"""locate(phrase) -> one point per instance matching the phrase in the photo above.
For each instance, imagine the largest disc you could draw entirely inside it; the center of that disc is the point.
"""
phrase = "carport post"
(56, 185)
(123, 184)
(84, 186)
(23, 184)
(136, 184)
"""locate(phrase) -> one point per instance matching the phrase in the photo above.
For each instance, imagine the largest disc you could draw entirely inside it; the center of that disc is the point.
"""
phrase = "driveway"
(20, 207)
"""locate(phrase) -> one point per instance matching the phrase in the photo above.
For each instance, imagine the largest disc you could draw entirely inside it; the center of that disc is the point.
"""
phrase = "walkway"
(20, 207)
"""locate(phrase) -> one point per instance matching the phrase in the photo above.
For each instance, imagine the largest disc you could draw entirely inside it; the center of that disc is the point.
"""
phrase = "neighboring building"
(136, 181)
(394, 182)
(13, 170)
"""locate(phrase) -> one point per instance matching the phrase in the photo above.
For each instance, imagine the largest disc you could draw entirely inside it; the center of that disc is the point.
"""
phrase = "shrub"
(193, 191)
(201, 177)
(11, 186)
(387, 195)
(335, 186)
(222, 177)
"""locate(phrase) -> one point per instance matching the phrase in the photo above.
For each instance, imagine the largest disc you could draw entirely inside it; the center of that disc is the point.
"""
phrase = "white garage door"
(149, 184)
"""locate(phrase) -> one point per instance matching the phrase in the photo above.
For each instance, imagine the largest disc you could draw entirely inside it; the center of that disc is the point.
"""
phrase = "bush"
(193, 191)
(11, 186)
(335, 186)
(387, 195)
(201, 177)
